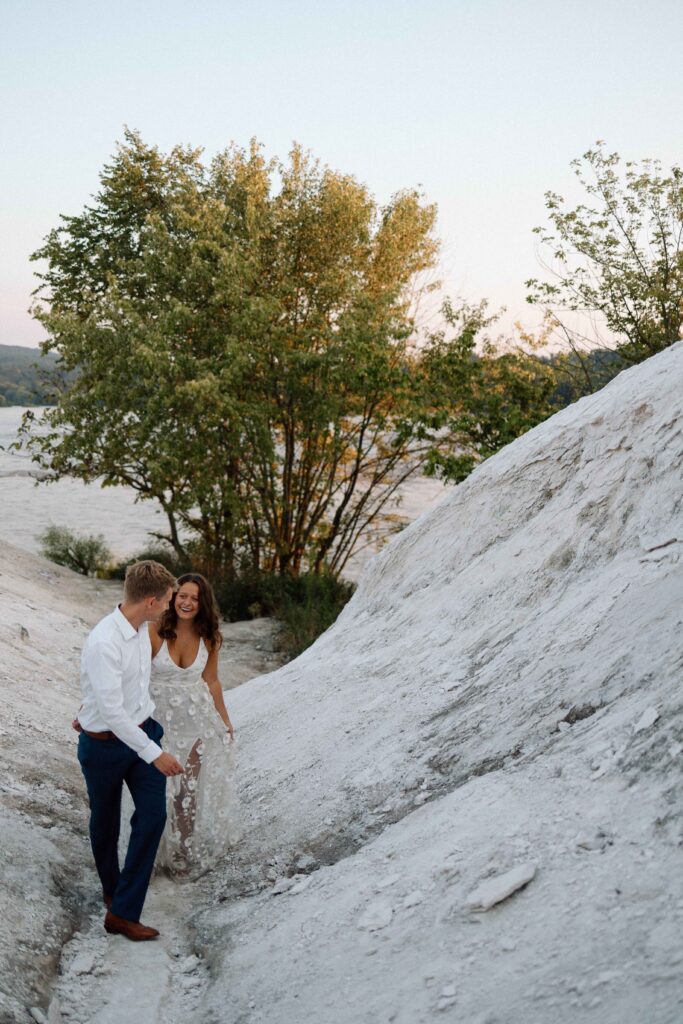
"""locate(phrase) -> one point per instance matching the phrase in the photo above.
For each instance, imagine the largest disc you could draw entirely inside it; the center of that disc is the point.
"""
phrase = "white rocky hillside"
(503, 692)
(502, 695)
(44, 613)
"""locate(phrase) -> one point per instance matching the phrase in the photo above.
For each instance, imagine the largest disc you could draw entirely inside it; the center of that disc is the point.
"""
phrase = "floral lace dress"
(201, 805)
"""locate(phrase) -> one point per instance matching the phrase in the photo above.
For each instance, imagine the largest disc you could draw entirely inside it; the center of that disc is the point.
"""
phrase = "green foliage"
(617, 257)
(240, 332)
(162, 553)
(243, 349)
(581, 373)
(483, 394)
(307, 607)
(89, 556)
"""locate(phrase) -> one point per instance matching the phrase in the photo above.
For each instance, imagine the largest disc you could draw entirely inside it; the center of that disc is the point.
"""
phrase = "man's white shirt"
(115, 668)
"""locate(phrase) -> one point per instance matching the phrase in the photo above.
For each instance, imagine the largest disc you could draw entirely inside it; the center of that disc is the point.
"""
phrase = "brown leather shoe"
(133, 930)
(107, 900)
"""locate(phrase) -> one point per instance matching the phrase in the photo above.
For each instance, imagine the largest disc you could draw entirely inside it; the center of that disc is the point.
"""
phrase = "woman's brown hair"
(206, 619)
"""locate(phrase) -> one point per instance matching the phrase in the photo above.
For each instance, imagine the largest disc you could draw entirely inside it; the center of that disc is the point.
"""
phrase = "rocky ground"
(461, 804)
(48, 889)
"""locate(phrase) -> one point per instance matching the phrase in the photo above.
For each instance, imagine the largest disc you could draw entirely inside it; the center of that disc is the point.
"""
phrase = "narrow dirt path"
(106, 979)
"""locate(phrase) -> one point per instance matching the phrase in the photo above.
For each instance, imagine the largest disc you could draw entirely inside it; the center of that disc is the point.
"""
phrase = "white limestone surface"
(483, 702)
(503, 690)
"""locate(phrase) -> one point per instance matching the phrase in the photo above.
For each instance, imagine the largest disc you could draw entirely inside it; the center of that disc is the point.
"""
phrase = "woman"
(190, 706)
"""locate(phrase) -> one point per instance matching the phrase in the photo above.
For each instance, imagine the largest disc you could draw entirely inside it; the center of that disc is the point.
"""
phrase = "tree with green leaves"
(88, 555)
(243, 350)
(616, 263)
(239, 332)
(480, 393)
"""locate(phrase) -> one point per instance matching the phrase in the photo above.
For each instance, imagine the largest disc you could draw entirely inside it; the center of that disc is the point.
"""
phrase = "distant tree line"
(26, 376)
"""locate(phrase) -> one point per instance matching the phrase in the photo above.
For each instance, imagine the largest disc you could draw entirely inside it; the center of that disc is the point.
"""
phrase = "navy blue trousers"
(106, 765)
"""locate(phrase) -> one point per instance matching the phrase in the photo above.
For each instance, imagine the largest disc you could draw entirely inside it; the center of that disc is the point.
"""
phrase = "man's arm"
(104, 668)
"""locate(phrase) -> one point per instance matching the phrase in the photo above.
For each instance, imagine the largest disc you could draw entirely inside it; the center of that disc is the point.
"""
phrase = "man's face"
(158, 605)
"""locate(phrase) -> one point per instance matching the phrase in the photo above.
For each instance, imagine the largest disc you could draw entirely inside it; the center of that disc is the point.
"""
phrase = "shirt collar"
(126, 629)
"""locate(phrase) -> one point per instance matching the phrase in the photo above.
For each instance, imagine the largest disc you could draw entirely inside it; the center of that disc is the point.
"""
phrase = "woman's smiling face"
(187, 601)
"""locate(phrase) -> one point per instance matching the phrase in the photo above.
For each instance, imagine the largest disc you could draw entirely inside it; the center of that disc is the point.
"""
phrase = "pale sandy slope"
(420, 746)
(486, 699)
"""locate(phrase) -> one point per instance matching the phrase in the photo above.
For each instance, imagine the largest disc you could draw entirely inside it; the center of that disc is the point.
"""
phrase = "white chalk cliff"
(463, 802)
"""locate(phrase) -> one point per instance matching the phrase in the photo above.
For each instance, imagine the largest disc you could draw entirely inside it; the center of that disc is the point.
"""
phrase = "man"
(119, 742)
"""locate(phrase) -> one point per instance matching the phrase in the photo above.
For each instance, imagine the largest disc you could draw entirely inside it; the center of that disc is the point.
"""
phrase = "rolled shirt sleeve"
(103, 662)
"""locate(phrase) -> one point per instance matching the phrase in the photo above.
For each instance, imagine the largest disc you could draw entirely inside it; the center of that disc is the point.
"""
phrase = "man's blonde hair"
(146, 579)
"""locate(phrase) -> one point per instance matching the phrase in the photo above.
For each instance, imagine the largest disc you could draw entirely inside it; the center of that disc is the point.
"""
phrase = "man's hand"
(76, 725)
(168, 764)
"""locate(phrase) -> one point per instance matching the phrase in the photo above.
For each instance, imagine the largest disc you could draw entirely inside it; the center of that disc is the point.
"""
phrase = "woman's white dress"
(201, 806)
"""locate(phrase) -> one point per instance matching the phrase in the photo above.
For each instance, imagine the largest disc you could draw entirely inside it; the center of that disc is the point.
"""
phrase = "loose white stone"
(300, 884)
(83, 963)
(190, 981)
(495, 890)
(648, 718)
(189, 964)
(377, 915)
(282, 885)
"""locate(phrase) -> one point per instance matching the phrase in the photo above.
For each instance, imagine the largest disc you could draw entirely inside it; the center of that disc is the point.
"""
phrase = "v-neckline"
(183, 668)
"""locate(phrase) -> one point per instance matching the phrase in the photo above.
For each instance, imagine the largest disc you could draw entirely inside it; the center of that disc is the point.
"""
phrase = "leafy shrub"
(305, 605)
(308, 605)
(89, 556)
(162, 553)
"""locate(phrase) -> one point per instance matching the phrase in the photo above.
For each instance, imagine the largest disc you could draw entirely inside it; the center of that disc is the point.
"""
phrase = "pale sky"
(482, 103)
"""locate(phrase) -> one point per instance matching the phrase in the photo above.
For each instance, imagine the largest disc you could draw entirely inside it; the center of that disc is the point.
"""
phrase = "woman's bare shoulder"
(155, 639)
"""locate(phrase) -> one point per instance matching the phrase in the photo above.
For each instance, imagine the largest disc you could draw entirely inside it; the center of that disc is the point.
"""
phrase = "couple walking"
(150, 666)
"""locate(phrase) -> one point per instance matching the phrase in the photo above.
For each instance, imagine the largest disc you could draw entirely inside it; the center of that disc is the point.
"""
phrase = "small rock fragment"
(282, 885)
(377, 915)
(189, 964)
(495, 890)
(301, 882)
(190, 981)
(648, 718)
(306, 863)
(83, 963)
